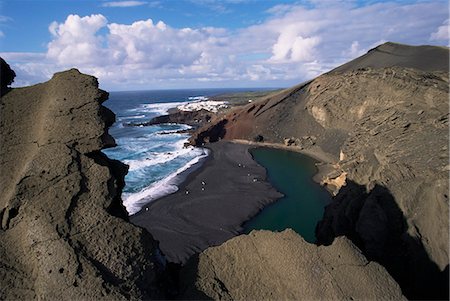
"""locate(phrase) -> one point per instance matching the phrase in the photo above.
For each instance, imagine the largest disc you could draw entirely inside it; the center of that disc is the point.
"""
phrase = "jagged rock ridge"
(64, 231)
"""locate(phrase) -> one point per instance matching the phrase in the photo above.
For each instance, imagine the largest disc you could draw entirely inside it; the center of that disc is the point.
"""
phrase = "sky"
(173, 44)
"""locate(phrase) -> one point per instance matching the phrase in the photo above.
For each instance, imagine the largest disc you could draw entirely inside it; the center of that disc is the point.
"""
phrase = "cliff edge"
(383, 117)
(282, 266)
(64, 232)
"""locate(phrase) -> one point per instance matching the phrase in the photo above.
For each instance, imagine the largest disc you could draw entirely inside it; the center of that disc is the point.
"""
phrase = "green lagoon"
(304, 200)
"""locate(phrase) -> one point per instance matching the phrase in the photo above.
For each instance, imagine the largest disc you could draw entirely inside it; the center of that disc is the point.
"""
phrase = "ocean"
(155, 154)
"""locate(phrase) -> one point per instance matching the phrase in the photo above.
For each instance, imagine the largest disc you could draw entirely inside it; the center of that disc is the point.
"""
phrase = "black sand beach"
(211, 205)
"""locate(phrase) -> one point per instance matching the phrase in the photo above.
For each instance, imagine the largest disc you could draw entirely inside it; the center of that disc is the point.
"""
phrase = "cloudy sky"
(136, 45)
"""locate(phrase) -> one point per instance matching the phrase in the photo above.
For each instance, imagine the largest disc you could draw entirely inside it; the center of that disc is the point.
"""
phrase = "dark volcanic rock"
(193, 118)
(7, 76)
(384, 118)
(64, 231)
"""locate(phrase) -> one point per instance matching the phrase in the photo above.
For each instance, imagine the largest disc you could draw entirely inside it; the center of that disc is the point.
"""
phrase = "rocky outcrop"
(7, 76)
(192, 118)
(281, 266)
(384, 118)
(64, 232)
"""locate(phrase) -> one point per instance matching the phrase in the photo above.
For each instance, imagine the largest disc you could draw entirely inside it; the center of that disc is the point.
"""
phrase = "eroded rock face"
(281, 266)
(64, 232)
(384, 118)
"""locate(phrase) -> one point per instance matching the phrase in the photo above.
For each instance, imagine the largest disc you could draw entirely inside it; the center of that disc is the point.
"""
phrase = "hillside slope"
(384, 118)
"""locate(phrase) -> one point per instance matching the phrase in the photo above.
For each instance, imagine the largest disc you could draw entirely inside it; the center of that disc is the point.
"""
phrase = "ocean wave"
(133, 117)
(155, 158)
(156, 108)
(134, 202)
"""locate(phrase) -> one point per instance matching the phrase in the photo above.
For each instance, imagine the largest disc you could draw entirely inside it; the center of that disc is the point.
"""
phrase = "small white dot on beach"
(203, 189)
(187, 192)
(203, 183)
(146, 209)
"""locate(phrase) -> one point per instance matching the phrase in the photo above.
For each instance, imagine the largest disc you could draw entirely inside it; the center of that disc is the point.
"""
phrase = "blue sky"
(142, 44)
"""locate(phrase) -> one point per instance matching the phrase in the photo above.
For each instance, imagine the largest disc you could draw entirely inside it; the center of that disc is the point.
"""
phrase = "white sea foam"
(181, 127)
(159, 108)
(156, 158)
(134, 202)
(133, 117)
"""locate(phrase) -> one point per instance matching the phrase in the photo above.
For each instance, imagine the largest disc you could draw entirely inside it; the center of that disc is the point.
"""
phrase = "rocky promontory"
(193, 118)
(282, 266)
(64, 231)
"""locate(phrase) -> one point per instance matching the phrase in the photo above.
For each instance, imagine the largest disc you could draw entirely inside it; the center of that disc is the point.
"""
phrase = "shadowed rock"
(7, 76)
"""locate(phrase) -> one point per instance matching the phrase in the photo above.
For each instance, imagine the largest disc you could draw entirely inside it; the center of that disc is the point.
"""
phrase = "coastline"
(207, 208)
(326, 162)
(210, 205)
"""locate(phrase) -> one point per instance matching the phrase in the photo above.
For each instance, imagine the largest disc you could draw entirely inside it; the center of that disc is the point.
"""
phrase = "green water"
(304, 200)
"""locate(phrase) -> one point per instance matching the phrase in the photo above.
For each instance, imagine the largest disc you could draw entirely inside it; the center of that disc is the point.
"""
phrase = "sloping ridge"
(383, 117)
(64, 231)
(425, 58)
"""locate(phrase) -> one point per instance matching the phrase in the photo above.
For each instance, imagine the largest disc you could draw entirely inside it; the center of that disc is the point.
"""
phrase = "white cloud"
(293, 44)
(442, 33)
(75, 42)
(123, 3)
(155, 45)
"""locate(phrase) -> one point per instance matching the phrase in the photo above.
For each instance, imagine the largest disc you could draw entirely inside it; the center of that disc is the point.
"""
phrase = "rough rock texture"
(193, 118)
(384, 118)
(281, 266)
(64, 232)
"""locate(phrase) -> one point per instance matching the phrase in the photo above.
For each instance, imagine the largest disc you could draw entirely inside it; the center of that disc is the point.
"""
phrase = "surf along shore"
(215, 200)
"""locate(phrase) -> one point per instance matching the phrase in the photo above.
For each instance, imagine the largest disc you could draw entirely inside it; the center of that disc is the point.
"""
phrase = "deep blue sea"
(155, 154)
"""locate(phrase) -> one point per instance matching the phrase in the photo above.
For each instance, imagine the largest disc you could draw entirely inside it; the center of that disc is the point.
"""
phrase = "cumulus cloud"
(155, 45)
(294, 43)
(75, 42)
(442, 33)
(123, 3)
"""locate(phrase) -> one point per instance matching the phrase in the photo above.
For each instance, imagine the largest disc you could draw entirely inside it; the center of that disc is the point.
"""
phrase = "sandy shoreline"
(210, 205)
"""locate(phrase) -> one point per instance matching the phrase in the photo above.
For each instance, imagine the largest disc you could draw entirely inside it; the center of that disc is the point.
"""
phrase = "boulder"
(282, 266)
